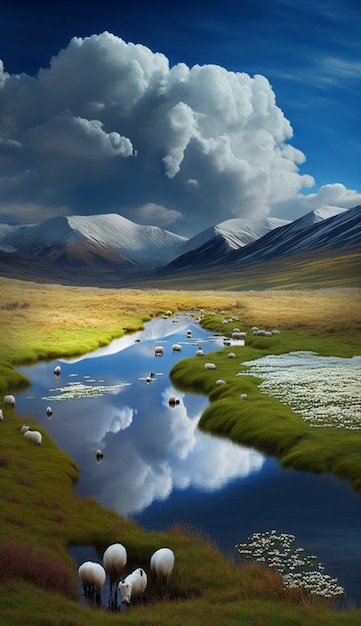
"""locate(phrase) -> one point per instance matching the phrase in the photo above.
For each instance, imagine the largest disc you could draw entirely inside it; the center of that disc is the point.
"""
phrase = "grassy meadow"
(41, 517)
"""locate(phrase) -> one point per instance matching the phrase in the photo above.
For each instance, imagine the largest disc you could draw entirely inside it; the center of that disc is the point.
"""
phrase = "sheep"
(114, 561)
(210, 366)
(9, 401)
(243, 396)
(57, 371)
(24, 428)
(238, 335)
(92, 576)
(176, 347)
(231, 355)
(161, 564)
(1, 415)
(158, 351)
(268, 333)
(199, 352)
(49, 411)
(275, 332)
(99, 456)
(220, 382)
(33, 435)
(226, 342)
(133, 585)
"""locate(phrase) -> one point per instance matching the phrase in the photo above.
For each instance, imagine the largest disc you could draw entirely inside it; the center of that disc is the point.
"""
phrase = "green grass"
(41, 518)
(263, 422)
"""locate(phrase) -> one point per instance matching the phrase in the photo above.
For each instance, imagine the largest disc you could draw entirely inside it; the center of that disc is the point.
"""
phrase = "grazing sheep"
(99, 456)
(49, 411)
(133, 585)
(176, 347)
(57, 370)
(24, 428)
(243, 396)
(210, 366)
(33, 435)
(9, 401)
(92, 576)
(114, 561)
(227, 342)
(220, 382)
(231, 355)
(238, 335)
(275, 332)
(161, 564)
(158, 351)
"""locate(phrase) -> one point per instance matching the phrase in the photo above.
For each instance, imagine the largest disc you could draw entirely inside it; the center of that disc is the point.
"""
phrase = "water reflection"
(103, 401)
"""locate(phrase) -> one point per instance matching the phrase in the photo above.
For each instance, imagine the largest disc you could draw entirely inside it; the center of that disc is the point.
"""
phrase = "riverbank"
(42, 518)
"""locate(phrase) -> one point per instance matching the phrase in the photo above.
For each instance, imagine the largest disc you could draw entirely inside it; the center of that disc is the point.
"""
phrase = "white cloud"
(328, 195)
(206, 144)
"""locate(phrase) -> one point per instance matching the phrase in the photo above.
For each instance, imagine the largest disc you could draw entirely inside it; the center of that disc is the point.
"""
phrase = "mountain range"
(110, 249)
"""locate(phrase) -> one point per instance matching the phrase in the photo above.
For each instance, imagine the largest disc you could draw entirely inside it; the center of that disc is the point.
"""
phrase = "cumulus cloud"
(328, 195)
(110, 126)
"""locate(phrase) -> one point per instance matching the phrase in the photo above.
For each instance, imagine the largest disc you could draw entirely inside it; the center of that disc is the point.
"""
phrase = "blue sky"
(309, 52)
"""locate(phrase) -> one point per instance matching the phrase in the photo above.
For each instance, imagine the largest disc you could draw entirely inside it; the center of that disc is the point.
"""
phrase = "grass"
(41, 518)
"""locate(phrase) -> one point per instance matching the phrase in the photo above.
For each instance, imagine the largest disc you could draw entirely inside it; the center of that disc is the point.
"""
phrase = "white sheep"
(114, 561)
(1, 415)
(220, 382)
(158, 351)
(161, 564)
(92, 576)
(238, 335)
(9, 401)
(275, 332)
(199, 352)
(133, 585)
(57, 370)
(34, 436)
(24, 428)
(210, 366)
(231, 355)
(243, 396)
(176, 347)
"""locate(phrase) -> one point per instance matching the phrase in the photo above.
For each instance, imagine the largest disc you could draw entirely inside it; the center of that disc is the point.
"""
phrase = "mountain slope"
(215, 242)
(77, 238)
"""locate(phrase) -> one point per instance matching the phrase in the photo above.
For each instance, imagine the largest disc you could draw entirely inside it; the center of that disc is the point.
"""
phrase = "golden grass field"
(41, 518)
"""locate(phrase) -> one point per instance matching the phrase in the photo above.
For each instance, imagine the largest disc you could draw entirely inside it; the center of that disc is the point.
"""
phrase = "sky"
(179, 115)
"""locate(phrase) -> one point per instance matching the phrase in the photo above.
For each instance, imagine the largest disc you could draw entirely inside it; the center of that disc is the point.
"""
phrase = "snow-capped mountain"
(310, 233)
(106, 236)
(217, 241)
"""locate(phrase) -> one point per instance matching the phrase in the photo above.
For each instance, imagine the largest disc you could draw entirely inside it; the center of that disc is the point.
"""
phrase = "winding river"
(159, 469)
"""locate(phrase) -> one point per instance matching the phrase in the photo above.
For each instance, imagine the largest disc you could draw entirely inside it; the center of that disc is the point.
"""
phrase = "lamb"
(9, 401)
(176, 347)
(158, 351)
(161, 564)
(133, 585)
(92, 576)
(114, 561)
(34, 436)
